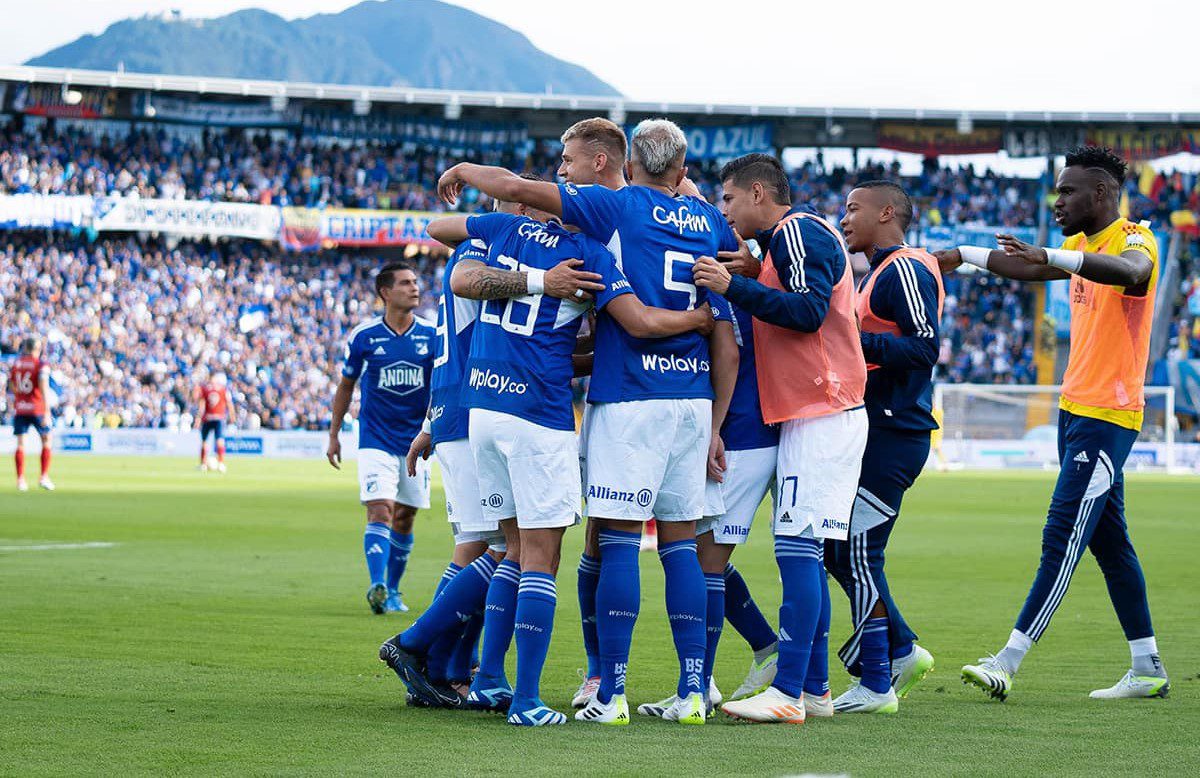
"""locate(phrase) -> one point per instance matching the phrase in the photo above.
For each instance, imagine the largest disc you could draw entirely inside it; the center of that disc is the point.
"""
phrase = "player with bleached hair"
(644, 392)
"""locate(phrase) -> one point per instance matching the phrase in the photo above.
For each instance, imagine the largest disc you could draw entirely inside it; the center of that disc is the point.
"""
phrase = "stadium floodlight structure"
(1015, 426)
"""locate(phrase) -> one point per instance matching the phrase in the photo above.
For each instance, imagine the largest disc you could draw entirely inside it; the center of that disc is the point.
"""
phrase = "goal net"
(1003, 426)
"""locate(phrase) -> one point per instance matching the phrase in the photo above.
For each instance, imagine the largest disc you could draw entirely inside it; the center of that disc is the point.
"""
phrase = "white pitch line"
(56, 546)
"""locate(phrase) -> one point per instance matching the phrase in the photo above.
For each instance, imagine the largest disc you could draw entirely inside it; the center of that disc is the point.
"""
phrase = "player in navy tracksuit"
(899, 305)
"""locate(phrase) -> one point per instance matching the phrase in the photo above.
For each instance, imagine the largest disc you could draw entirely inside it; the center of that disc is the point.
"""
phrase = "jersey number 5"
(672, 260)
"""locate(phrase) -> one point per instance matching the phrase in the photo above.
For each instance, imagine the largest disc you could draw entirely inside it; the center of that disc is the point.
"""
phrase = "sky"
(1035, 55)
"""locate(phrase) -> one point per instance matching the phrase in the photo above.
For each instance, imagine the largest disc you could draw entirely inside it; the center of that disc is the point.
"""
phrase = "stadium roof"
(546, 114)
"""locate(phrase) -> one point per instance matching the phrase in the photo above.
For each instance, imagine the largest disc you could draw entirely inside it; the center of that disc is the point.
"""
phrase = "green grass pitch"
(226, 632)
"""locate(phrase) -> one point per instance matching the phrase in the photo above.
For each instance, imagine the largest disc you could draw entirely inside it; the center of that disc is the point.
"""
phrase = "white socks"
(1011, 655)
(1144, 652)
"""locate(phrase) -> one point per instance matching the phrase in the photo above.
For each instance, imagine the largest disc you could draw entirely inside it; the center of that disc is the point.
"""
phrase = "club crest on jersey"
(681, 219)
(421, 347)
(401, 378)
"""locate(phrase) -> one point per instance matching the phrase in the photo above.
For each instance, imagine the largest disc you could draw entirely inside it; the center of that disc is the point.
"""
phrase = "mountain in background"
(418, 43)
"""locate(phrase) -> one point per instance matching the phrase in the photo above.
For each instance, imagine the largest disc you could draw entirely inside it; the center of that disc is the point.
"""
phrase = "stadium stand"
(127, 353)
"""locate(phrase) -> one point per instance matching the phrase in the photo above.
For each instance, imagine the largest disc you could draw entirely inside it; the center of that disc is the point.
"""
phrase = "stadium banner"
(37, 211)
(448, 135)
(933, 141)
(267, 444)
(729, 141)
(1147, 144)
(306, 229)
(49, 100)
(1041, 142)
(949, 236)
(1043, 454)
(187, 217)
(184, 111)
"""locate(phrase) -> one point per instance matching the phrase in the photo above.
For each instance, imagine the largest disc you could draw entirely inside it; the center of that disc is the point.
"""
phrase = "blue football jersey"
(394, 369)
(455, 325)
(656, 239)
(521, 350)
(743, 428)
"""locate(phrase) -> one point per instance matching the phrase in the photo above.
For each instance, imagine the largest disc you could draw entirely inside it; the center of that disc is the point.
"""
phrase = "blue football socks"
(618, 601)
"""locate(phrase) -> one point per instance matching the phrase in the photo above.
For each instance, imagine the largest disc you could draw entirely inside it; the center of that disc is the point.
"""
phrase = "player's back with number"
(25, 383)
(656, 239)
(521, 349)
(455, 327)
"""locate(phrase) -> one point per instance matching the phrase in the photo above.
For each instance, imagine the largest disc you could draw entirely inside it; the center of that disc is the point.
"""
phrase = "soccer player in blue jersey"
(393, 355)
(522, 428)
(899, 307)
(450, 644)
(593, 153)
(643, 392)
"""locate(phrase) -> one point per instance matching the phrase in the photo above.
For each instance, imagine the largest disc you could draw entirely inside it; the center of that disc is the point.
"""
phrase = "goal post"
(1014, 426)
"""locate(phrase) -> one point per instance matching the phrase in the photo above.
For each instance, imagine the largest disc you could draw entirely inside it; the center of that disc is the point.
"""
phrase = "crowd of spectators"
(134, 324)
(132, 327)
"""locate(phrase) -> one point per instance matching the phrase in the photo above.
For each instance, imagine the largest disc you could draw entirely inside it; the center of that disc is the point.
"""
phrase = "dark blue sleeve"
(809, 261)
(486, 226)
(906, 293)
(592, 208)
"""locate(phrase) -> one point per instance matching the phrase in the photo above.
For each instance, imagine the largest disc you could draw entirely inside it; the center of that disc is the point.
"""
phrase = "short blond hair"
(599, 134)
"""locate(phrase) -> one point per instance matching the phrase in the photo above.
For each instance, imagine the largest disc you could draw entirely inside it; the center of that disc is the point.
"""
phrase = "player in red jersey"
(29, 386)
(215, 408)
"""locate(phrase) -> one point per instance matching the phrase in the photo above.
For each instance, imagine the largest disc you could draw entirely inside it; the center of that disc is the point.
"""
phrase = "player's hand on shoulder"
(741, 262)
(711, 274)
(334, 452)
(1019, 249)
(949, 260)
(565, 281)
(421, 446)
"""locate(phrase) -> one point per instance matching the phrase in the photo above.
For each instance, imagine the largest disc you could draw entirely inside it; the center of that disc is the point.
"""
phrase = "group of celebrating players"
(731, 355)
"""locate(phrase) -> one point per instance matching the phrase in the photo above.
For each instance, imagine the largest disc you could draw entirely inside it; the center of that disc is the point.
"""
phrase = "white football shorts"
(729, 506)
(462, 493)
(384, 476)
(816, 478)
(525, 470)
(647, 459)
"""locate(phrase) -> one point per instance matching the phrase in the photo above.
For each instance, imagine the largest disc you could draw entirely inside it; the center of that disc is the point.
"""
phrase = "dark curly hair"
(1099, 157)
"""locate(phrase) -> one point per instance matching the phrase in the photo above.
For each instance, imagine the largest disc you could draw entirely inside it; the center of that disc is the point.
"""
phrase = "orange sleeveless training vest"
(1110, 339)
(868, 321)
(804, 375)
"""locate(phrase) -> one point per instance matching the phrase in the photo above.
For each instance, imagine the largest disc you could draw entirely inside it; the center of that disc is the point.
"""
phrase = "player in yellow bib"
(1112, 265)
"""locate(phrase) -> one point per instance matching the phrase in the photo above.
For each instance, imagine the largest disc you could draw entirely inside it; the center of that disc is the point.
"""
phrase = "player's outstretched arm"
(341, 404)
(477, 281)
(448, 230)
(641, 321)
(996, 261)
(501, 184)
(1129, 269)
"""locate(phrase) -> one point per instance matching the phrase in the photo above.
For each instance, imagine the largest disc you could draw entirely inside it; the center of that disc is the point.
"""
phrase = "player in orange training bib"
(1112, 265)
